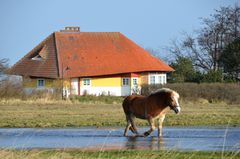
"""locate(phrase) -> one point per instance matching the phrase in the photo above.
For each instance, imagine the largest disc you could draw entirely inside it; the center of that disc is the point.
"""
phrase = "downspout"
(58, 64)
(79, 86)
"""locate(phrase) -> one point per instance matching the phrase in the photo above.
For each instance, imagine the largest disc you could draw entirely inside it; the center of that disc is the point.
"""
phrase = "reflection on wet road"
(188, 138)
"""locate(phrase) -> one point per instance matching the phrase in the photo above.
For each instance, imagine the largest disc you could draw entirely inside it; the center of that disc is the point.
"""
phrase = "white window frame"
(86, 81)
(157, 78)
(160, 79)
(152, 79)
(38, 83)
(126, 81)
(164, 77)
(135, 81)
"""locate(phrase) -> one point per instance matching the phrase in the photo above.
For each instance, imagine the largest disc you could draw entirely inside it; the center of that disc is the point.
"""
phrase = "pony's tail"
(126, 107)
(126, 104)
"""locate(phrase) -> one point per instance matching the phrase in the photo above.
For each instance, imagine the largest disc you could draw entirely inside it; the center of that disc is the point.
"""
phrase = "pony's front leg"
(160, 122)
(152, 127)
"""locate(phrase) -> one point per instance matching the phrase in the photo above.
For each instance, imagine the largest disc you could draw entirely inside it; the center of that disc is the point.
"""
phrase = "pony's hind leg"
(130, 122)
(130, 125)
(133, 127)
(127, 128)
(152, 127)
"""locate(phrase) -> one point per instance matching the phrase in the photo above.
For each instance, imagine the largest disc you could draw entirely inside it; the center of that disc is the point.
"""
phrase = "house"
(89, 63)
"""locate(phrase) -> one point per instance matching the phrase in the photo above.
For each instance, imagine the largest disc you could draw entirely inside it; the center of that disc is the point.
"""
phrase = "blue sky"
(149, 23)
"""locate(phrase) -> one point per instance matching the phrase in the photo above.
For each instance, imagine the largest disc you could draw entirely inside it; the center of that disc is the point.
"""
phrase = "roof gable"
(41, 61)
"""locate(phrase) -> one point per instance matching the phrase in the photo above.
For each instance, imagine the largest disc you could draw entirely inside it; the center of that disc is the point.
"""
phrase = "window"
(135, 82)
(86, 82)
(152, 79)
(164, 79)
(40, 83)
(160, 79)
(37, 58)
(157, 78)
(125, 81)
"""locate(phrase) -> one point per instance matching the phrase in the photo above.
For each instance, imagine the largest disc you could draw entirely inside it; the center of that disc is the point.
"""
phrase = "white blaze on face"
(176, 96)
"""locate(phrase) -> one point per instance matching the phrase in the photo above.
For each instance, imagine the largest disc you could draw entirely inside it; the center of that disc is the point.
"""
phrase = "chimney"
(71, 29)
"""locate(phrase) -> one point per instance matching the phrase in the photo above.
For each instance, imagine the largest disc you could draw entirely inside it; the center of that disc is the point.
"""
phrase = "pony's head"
(173, 102)
(171, 98)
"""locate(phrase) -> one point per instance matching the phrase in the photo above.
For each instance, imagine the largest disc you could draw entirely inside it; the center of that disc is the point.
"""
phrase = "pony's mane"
(167, 90)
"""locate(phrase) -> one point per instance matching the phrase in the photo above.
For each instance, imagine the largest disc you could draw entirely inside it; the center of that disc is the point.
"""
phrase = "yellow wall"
(104, 82)
(29, 82)
(109, 82)
(48, 83)
(32, 82)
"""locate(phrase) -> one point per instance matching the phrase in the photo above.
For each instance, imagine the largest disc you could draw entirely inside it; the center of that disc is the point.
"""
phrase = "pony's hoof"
(146, 134)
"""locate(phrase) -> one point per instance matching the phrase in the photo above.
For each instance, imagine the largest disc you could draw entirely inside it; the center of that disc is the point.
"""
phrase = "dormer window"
(37, 58)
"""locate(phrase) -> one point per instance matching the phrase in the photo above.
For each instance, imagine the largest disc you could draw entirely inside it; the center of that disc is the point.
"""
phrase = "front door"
(126, 87)
(74, 86)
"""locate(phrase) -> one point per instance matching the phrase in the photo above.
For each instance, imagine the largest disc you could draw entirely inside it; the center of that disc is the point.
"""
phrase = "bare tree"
(205, 48)
(3, 68)
(3, 64)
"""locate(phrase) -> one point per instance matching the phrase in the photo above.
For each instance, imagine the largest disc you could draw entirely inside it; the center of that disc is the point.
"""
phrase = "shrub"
(43, 94)
(10, 89)
(212, 76)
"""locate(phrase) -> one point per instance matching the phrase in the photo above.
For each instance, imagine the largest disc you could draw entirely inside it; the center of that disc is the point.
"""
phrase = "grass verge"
(68, 114)
(123, 154)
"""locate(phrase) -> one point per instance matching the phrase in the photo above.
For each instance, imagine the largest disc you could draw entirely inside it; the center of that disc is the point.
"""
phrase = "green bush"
(212, 76)
(212, 92)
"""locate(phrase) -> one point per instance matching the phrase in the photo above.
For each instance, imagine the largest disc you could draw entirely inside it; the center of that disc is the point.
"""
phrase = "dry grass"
(41, 113)
(137, 154)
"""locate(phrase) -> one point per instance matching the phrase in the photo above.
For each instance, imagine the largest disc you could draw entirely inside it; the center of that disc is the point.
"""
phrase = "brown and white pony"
(150, 108)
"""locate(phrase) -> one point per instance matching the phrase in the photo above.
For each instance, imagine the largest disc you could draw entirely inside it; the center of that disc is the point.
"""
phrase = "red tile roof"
(86, 54)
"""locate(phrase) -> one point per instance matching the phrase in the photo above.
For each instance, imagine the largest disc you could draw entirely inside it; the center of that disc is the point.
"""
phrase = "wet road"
(187, 138)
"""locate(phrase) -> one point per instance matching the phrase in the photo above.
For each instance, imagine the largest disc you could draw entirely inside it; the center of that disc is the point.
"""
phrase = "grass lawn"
(137, 154)
(67, 114)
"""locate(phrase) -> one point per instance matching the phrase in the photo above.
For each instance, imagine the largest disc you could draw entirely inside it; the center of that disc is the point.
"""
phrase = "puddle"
(174, 138)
